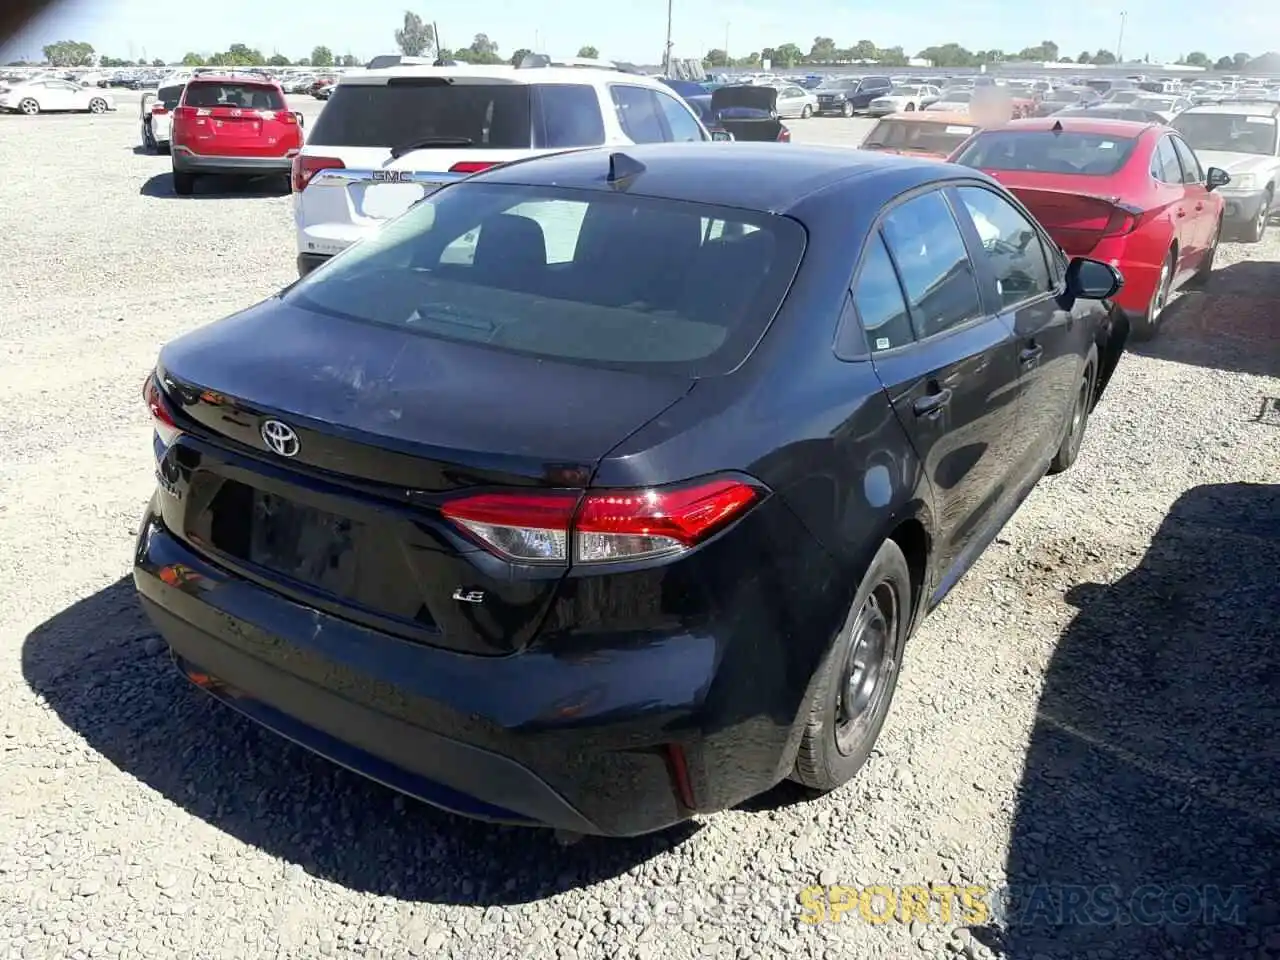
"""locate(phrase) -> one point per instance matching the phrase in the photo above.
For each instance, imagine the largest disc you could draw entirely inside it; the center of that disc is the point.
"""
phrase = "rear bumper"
(309, 261)
(618, 736)
(184, 161)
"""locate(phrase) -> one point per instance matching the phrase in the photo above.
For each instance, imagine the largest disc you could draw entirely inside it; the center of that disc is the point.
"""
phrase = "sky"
(634, 30)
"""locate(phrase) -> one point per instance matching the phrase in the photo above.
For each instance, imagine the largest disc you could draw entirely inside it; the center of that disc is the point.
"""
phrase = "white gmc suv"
(389, 137)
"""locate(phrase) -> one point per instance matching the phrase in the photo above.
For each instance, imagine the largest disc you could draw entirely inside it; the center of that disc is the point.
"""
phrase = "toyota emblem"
(280, 438)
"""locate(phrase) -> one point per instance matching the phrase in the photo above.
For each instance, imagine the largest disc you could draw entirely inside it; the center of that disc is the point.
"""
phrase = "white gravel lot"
(1097, 703)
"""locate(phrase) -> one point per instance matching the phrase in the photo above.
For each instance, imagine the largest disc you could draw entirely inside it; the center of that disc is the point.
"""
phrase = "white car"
(953, 101)
(157, 116)
(389, 137)
(904, 99)
(1167, 106)
(50, 94)
(795, 102)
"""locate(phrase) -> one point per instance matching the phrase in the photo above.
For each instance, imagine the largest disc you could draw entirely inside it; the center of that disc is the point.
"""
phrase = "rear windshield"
(605, 279)
(1064, 96)
(489, 115)
(1232, 133)
(252, 96)
(169, 96)
(1043, 151)
(957, 96)
(938, 138)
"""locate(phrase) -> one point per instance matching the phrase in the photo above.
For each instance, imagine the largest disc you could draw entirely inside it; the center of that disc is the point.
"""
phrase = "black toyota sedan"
(606, 488)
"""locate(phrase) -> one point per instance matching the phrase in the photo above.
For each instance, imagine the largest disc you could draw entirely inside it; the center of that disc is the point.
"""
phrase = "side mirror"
(1217, 177)
(721, 136)
(1092, 280)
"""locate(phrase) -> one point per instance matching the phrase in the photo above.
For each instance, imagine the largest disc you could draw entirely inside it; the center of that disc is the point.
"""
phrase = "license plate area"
(305, 544)
(385, 201)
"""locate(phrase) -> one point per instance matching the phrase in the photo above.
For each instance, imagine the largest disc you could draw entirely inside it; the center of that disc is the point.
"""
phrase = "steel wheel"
(29, 107)
(868, 668)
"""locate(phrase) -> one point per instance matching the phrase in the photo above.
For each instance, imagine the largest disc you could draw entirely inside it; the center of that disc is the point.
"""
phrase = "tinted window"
(1089, 154)
(638, 113)
(921, 135)
(408, 109)
(934, 265)
(682, 126)
(957, 96)
(878, 297)
(1191, 169)
(603, 278)
(169, 96)
(1011, 245)
(1234, 133)
(1164, 163)
(252, 96)
(569, 115)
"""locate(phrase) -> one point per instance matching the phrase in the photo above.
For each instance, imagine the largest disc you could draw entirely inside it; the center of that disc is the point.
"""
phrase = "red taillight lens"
(165, 426)
(472, 166)
(304, 168)
(602, 526)
(784, 136)
(158, 109)
(1123, 219)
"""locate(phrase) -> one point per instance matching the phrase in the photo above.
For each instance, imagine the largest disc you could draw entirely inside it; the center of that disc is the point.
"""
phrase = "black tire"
(1145, 326)
(148, 139)
(1078, 421)
(845, 715)
(806, 113)
(184, 184)
(846, 110)
(1258, 228)
(910, 108)
(1201, 276)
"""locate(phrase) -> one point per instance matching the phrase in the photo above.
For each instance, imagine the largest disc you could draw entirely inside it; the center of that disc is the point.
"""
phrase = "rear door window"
(568, 115)
(679, 121)
(1164, 163)
(639, 113)
(1191, 169)
(409, 109)
(877, 295)
(605, 279)
(928, 248)
(245, 96)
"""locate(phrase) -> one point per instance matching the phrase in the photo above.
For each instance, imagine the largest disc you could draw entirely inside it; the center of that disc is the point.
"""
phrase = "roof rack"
(534, 61)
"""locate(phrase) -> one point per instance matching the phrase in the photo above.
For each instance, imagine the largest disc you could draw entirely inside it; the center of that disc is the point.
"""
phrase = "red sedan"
(1131, 194)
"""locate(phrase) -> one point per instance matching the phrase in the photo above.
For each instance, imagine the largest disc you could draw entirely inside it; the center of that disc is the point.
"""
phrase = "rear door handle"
(1031, 354)
(934, 402)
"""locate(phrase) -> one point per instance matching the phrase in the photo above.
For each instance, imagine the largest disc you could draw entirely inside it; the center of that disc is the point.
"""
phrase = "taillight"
(1124, 219)
(166, 428)
(784, 136)
(472, 166)
(304, 168)
(158, 109)
(602, 526)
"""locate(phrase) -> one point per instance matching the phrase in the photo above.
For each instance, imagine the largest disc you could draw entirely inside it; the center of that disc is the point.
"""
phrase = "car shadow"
(160, 186)
(1229, 324)
(1147, 822)
(99, 665)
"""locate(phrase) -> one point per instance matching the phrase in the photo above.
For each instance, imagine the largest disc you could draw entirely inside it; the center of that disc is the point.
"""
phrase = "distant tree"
(69, 53)
(1224, 63)
(948, 55)
(278, 60)
(349, 60)
(1241, 59)
(863, 50)
(517, 58)
(192, 60)
(482, 50)
(415, 38)
(1104, 58)
(823, 50)
(1196, 59)
(589, 52)
(304, 62)
(322, 57)
(715, 58)
(892, 57)
(1085, 57)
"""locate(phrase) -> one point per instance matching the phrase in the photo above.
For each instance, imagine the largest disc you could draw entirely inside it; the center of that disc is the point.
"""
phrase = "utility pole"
(726, 43)
(666, 55)
(1124, 15)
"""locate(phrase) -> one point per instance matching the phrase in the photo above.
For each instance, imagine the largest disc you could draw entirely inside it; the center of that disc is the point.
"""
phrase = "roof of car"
(1238, 108)
(934, 116)
(754, 176)
(1100, 125)
(502, 73)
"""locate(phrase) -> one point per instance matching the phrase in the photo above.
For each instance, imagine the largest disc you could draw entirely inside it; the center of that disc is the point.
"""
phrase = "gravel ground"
(1097, 703)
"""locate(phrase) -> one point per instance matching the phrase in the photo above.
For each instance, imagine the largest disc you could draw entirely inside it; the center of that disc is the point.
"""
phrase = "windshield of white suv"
(593, 277)
(1228, 132)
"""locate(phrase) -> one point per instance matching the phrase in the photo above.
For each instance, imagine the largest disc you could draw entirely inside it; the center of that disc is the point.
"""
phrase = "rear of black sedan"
(512, 507)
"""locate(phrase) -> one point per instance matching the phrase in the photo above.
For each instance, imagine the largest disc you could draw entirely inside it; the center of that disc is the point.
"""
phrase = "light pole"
(726, 43)
(666, 53)
(1124, 15)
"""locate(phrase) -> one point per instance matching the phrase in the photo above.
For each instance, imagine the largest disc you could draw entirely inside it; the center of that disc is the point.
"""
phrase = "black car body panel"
(851, 94)
(616, 699)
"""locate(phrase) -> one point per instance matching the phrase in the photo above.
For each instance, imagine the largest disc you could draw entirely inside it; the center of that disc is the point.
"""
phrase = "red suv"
(232, 126)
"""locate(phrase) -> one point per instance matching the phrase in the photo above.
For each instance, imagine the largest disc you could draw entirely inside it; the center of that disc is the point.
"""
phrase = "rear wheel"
(852, 690)
(846, 110)
(1072, 440)
(806, 113)
(184, 184)
(97, 105)
(29, 107)
(1145, 327)
(1254, 232)
(909, 108)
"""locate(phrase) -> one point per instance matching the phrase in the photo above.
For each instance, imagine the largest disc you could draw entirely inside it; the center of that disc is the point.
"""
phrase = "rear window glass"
(251, 96)
(599, 278)
(492, 115)
(939, 138)
(957, 96)
(1043, 151)
(1230, 133)
(169, 96)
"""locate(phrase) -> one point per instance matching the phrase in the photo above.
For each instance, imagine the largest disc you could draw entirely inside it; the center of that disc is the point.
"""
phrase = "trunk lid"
(745, 96)
(1073, 210)
(385, 426)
